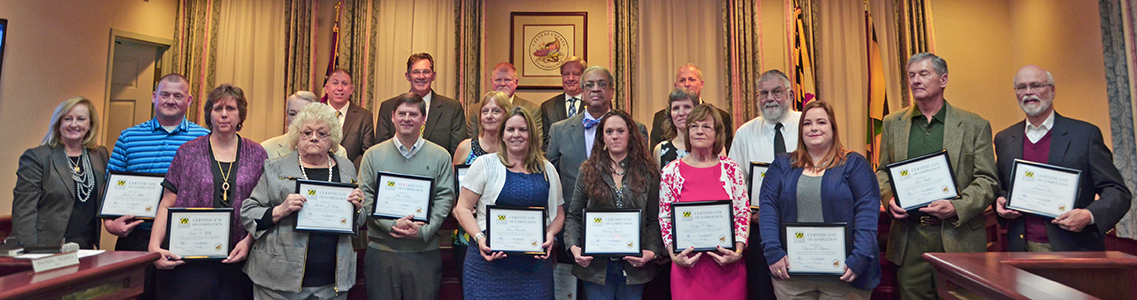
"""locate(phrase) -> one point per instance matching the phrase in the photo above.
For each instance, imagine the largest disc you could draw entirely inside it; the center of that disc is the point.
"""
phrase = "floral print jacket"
(733, 182)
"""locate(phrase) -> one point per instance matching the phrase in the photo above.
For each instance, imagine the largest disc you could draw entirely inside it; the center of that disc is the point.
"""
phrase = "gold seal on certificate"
(518, 230)
(199, 233)
(816, 248)
(611, 232)
(399, 195)
(757, 174)
(704, 225)
(327, 209)
(918, 181)
(1042, 189)
(132, 194)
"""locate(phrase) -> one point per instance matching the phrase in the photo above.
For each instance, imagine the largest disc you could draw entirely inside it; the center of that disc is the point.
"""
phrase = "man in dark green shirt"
(951, 225)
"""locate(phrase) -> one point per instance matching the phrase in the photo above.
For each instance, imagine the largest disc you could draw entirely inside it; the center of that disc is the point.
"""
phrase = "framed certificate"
(817, 248)
(199, 233)
(704, 225)
(916, 182)
(327, 209)
(757, 174)
(515, 230)
(399, 195)
(132, 194)
(1042, 189)
(612, 232)
(459, 174)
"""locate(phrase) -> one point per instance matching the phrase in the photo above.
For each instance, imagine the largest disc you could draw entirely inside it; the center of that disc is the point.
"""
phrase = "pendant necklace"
(225, 184)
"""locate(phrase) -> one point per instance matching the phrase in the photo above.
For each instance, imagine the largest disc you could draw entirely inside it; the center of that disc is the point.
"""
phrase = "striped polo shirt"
(149, 148)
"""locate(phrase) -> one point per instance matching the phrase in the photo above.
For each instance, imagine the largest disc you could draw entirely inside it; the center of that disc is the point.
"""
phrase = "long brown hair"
(837, 153)
(640, 168)
(534, 161)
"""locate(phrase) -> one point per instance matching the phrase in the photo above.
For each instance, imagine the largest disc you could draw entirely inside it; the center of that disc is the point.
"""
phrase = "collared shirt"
(342, 115)
(754, 140)
(926, 137)
(429, 96)
(569, 107)
(1034, 133)
(408, 153)
(590, 135)
(149, 148)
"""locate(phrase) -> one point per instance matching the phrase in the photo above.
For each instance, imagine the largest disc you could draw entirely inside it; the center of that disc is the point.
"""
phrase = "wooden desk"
(1019, 275)
(120, 272)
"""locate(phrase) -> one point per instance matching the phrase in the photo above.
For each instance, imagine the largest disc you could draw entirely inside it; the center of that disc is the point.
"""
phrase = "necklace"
(300, 161)
(225, 177)
(85, 180)
(75, 166)
(624, 169)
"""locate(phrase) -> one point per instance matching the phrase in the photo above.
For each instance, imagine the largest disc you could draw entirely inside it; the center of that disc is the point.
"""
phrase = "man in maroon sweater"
(1049, 138)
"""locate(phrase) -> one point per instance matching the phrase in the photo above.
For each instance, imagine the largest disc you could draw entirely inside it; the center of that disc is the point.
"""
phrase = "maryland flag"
(805, 86)
(334, 59)
(878, 98)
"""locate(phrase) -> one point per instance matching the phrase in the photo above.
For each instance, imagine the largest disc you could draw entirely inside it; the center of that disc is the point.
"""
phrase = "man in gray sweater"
(402, 259)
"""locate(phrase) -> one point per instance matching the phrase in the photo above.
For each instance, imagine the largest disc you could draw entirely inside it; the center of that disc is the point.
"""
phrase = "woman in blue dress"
(518, 175)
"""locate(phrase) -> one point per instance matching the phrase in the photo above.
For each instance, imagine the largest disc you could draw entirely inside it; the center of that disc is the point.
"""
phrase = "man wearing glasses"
(445, 119)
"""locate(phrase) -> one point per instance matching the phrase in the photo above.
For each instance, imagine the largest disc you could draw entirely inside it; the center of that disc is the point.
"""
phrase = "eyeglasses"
(778, 93)
(602, 84)
(1034, 86)
(319, 134)
(167, 95)
(421, 72)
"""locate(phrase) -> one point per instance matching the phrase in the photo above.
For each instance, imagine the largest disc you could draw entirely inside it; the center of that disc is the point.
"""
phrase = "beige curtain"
(299, 22)
(195, 48)
(914, 31)
(1118, 26)
(469, 23)
(679, 32)
(251, 54)
(842, 69)
(884, 14)
(356, 49)
(742, 36)
(625, 51)
(408, 27)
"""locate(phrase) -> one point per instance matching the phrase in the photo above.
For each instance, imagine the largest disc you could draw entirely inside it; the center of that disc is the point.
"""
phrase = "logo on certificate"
(629, 245)
(1062, 207)
(311, 192)
(945, 189)
(390, 183)
(217, 247)
(686, 214)
(597, 220)
(534, 243)
(148, 208)
(722, 238)
(343, 220)
(122, 182)
(418, 209)
(501, 217)
(185, 221)
(762, 175)
(1029, 174)
(903, 172)
(836, 263)
(799, 235)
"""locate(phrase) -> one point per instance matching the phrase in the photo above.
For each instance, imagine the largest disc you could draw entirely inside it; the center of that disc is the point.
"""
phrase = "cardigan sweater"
(431, 161)
(190, 172)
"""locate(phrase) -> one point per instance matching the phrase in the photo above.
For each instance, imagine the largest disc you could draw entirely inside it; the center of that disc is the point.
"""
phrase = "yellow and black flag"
(805, 84)
(878, 97)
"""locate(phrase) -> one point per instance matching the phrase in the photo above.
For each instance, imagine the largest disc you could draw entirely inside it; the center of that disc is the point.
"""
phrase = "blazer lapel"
(577, 130)
(1059, 141)
(561, 109)
(953, 136)
(63, 168)
(1016, 142)
(900, 143)
(350, 119)
(432, 116)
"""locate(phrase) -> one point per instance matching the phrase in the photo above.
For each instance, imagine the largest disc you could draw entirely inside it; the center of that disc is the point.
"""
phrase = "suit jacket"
(967, 139)
(566, 150)
(848, 194)
(552, 111)
(278, 252)
(358, 132)
(1077, 145)
(473, 115)
(661, 116)
(45, 193)
(445, 122)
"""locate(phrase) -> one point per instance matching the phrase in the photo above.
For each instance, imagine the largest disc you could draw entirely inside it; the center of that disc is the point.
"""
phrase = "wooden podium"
(1021, 275)
(112, 275)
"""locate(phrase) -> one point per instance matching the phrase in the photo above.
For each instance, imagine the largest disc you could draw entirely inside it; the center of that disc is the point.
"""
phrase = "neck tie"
(572, 107)
(779, 141)
(589, 122)
(338, 114)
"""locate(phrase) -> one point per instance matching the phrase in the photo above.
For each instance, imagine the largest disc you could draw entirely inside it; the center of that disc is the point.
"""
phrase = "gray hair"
(693, 67)
(607, 75)
(775, 74)
(317, 112)
(303, 95)
(938, 63)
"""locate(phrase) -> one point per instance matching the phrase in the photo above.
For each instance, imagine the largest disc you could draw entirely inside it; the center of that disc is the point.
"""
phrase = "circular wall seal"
(548, 49)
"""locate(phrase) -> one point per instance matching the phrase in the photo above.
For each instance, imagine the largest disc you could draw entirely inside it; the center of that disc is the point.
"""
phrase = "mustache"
(1030, 97)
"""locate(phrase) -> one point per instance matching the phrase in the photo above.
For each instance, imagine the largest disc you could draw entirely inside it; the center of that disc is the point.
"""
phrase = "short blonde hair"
(706, 112)
(317, 112)
(53, 136)
(501, 99)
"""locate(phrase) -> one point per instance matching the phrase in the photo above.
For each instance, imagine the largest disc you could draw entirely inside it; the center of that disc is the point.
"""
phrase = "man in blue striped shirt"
(148, 148)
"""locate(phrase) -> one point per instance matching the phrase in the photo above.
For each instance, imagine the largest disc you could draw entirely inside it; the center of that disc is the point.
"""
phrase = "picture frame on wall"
(539, 42)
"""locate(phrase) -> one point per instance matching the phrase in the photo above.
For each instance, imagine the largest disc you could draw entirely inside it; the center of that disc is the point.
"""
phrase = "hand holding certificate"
(1042, 189)
(327, 208)
(518, 230)
(398, 195)
(132, 194)
(919, 181)
(703, 225)
(816, 248)
(199, 233)
(614, 232)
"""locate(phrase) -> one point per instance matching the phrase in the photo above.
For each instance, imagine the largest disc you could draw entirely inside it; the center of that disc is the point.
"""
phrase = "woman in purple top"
(218, 170)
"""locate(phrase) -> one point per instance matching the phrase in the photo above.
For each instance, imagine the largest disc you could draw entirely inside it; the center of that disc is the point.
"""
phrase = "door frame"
(163, 63)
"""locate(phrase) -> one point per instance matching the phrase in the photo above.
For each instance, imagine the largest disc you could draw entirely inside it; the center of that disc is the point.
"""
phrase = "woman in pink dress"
(703, 175)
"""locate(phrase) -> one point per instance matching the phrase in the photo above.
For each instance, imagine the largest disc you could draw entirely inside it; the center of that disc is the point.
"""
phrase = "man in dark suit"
(445, 118)
(358, 128)
(567, 104)
(1049, 138)
(503, 79)
(689, 77)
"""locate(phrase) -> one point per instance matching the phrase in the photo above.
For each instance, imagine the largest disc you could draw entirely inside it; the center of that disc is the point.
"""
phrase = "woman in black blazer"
(59, 183)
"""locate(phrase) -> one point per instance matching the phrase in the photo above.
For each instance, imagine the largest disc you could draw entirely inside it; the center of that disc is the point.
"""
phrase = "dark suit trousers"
(757, 269)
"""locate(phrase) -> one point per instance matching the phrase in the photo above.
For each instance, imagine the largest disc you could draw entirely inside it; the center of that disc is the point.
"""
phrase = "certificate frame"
(1064, 205)
(350, 215)
(594, 216)
(426, 206)
(760, 169)
(848, 245)
(118, 178)
(459, 173)
(897, 169)
(675, 218)
(226, 215)
(490, 213)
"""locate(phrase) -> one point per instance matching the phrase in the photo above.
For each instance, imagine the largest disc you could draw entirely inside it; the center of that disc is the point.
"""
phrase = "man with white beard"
(760, 140)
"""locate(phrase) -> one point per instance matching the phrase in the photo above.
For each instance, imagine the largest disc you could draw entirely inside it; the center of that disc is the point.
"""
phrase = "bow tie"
(589, 122)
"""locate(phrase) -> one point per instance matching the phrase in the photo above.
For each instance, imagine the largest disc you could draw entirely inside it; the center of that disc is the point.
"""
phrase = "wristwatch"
(478, 237)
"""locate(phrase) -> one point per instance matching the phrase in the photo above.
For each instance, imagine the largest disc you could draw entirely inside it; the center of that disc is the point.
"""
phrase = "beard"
(1032, 110)
(774, 112)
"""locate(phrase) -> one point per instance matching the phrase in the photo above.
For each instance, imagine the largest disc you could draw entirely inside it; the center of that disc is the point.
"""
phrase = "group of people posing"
(570, 154)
